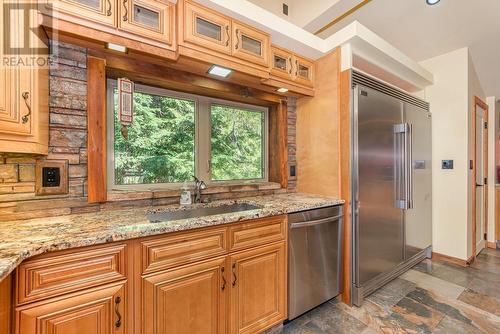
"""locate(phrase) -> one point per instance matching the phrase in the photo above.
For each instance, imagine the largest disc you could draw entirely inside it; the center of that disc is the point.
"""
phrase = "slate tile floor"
(434, 297)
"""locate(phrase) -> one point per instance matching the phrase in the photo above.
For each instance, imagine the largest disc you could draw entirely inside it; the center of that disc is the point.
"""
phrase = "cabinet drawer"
(258, 232)
(70, 271)
(171, 251)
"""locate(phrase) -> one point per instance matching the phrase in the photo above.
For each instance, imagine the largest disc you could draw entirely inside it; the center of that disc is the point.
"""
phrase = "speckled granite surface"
(20, 240)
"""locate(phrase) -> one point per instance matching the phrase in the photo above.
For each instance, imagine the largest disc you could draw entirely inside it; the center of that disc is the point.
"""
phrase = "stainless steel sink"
(157, 217)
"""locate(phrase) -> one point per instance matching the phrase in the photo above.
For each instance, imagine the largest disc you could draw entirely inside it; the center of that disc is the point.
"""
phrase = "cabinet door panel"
(99, 311)
(303, 71)
(250, 44)
(281, 63)
(258, 289)
(190, 299)
(15, 81)
(101, 11)
(147, 18)
(206, 28)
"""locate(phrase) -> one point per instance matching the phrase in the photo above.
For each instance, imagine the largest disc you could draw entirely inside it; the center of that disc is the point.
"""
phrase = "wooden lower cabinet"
(190, 300)
(95, 311)
(236, 287)
(258, 289)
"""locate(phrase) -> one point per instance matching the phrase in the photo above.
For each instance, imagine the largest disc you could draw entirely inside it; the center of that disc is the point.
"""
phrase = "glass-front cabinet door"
(281, 63)
(250, 44)
(101, 11)
(303, 71)
(147, 18)
(206, 28)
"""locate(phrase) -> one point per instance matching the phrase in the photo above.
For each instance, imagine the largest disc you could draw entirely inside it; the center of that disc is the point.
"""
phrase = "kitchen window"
(175, 136)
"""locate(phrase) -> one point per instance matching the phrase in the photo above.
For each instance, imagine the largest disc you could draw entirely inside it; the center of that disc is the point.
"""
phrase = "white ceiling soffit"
(366, 46)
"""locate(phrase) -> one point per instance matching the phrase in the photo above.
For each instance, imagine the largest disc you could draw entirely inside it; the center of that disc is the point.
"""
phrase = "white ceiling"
(418, 30)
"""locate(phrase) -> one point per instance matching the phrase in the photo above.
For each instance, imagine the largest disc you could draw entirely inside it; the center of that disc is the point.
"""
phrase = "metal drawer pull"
(227, 33)
(223, 279)
(234, 274)
(291, 65)
(118, 322)
(125, 16)
(109, 6)
(316, 222)
(26, 97)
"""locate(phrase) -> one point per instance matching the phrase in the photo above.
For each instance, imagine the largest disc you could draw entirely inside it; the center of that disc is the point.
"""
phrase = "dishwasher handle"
(315, 222)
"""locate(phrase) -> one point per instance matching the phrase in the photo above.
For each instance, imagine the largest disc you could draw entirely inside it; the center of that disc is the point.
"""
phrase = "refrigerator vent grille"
(361, 79)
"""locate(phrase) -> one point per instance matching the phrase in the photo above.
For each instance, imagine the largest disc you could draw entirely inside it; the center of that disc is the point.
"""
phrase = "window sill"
(175, 191)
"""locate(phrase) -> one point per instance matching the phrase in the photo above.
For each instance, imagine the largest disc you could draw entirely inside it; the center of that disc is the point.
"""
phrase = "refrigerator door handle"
(409, 166)
(400, 166)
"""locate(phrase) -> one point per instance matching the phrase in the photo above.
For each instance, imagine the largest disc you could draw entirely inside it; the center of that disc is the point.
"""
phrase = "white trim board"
(366, 46)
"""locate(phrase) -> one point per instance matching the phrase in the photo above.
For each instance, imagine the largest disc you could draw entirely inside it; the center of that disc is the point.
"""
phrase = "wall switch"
(292, 171)
(51, 176)
(447, 164)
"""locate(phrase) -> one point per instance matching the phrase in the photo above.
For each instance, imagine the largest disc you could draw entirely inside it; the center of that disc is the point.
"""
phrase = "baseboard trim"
(491, 244)
(451, 259)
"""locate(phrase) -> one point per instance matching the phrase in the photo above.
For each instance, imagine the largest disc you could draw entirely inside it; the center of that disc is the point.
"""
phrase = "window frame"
(202, 151)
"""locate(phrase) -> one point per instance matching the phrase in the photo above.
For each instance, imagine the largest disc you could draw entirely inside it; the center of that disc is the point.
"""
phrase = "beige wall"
(318, 132)
(449, 100)
(475, 89)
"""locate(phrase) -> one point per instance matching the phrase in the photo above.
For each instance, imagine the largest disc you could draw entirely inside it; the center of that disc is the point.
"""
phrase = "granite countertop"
(20, 240)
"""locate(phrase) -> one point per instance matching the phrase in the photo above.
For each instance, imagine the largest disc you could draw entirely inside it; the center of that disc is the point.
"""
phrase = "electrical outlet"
(51, 177)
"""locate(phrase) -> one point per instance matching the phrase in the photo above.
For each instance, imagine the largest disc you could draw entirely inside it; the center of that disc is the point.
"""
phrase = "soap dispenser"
(185, 195)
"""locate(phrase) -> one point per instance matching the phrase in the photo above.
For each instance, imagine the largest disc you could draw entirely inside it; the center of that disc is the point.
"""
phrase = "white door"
(481, 188)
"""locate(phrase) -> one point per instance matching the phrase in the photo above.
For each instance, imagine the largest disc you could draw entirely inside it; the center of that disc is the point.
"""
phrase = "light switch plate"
(51, 177)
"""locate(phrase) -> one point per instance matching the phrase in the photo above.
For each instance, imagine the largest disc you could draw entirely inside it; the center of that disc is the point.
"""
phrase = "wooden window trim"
(96, 133)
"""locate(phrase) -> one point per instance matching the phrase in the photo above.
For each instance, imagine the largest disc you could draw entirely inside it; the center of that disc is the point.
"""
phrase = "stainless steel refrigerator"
(391, 184)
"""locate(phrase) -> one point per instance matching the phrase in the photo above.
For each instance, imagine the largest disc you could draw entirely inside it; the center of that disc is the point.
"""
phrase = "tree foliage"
(236, 143)
(161, 142)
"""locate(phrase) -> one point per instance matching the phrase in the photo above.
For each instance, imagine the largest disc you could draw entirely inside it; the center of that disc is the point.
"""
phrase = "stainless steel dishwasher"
(314, 255)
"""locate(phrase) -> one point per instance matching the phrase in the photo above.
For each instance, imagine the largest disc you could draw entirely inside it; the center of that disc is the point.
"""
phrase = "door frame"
(478, 103)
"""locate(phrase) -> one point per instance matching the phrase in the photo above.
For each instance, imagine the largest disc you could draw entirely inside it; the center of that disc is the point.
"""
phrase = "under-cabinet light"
(116, 47)
(282, 90)
(219, 71)
(432, 2)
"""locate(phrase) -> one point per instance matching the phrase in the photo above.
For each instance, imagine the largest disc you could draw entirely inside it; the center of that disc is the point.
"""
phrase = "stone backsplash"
(68, 141)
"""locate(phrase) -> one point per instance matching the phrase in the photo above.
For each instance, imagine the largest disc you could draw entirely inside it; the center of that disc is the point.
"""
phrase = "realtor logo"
(24, 42)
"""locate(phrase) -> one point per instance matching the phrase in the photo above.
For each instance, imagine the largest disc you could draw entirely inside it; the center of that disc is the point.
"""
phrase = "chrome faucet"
(199, 186)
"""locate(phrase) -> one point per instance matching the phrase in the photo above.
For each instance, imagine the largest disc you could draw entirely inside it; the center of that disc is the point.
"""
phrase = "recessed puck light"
(432, 2)
(282, 90)
(219, 71)
(116, 47)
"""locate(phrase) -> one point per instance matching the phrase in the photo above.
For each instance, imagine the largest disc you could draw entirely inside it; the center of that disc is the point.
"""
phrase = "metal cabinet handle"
(234, 274)
(118, 321)
(109, 8)
(237, 39)
(223, 279)
(291, 65)
(26, 97)
(125, 16)
(296, 68)
(227, 34)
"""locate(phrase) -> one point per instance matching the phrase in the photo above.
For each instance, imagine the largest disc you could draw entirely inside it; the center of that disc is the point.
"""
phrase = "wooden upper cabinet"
(100, 11)
(191, 299)
(258, 289)
(96, 311)
(206, 28)
(23, 89)
(147, 18)
(282, 63)
(303, 71)
(250, 44)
